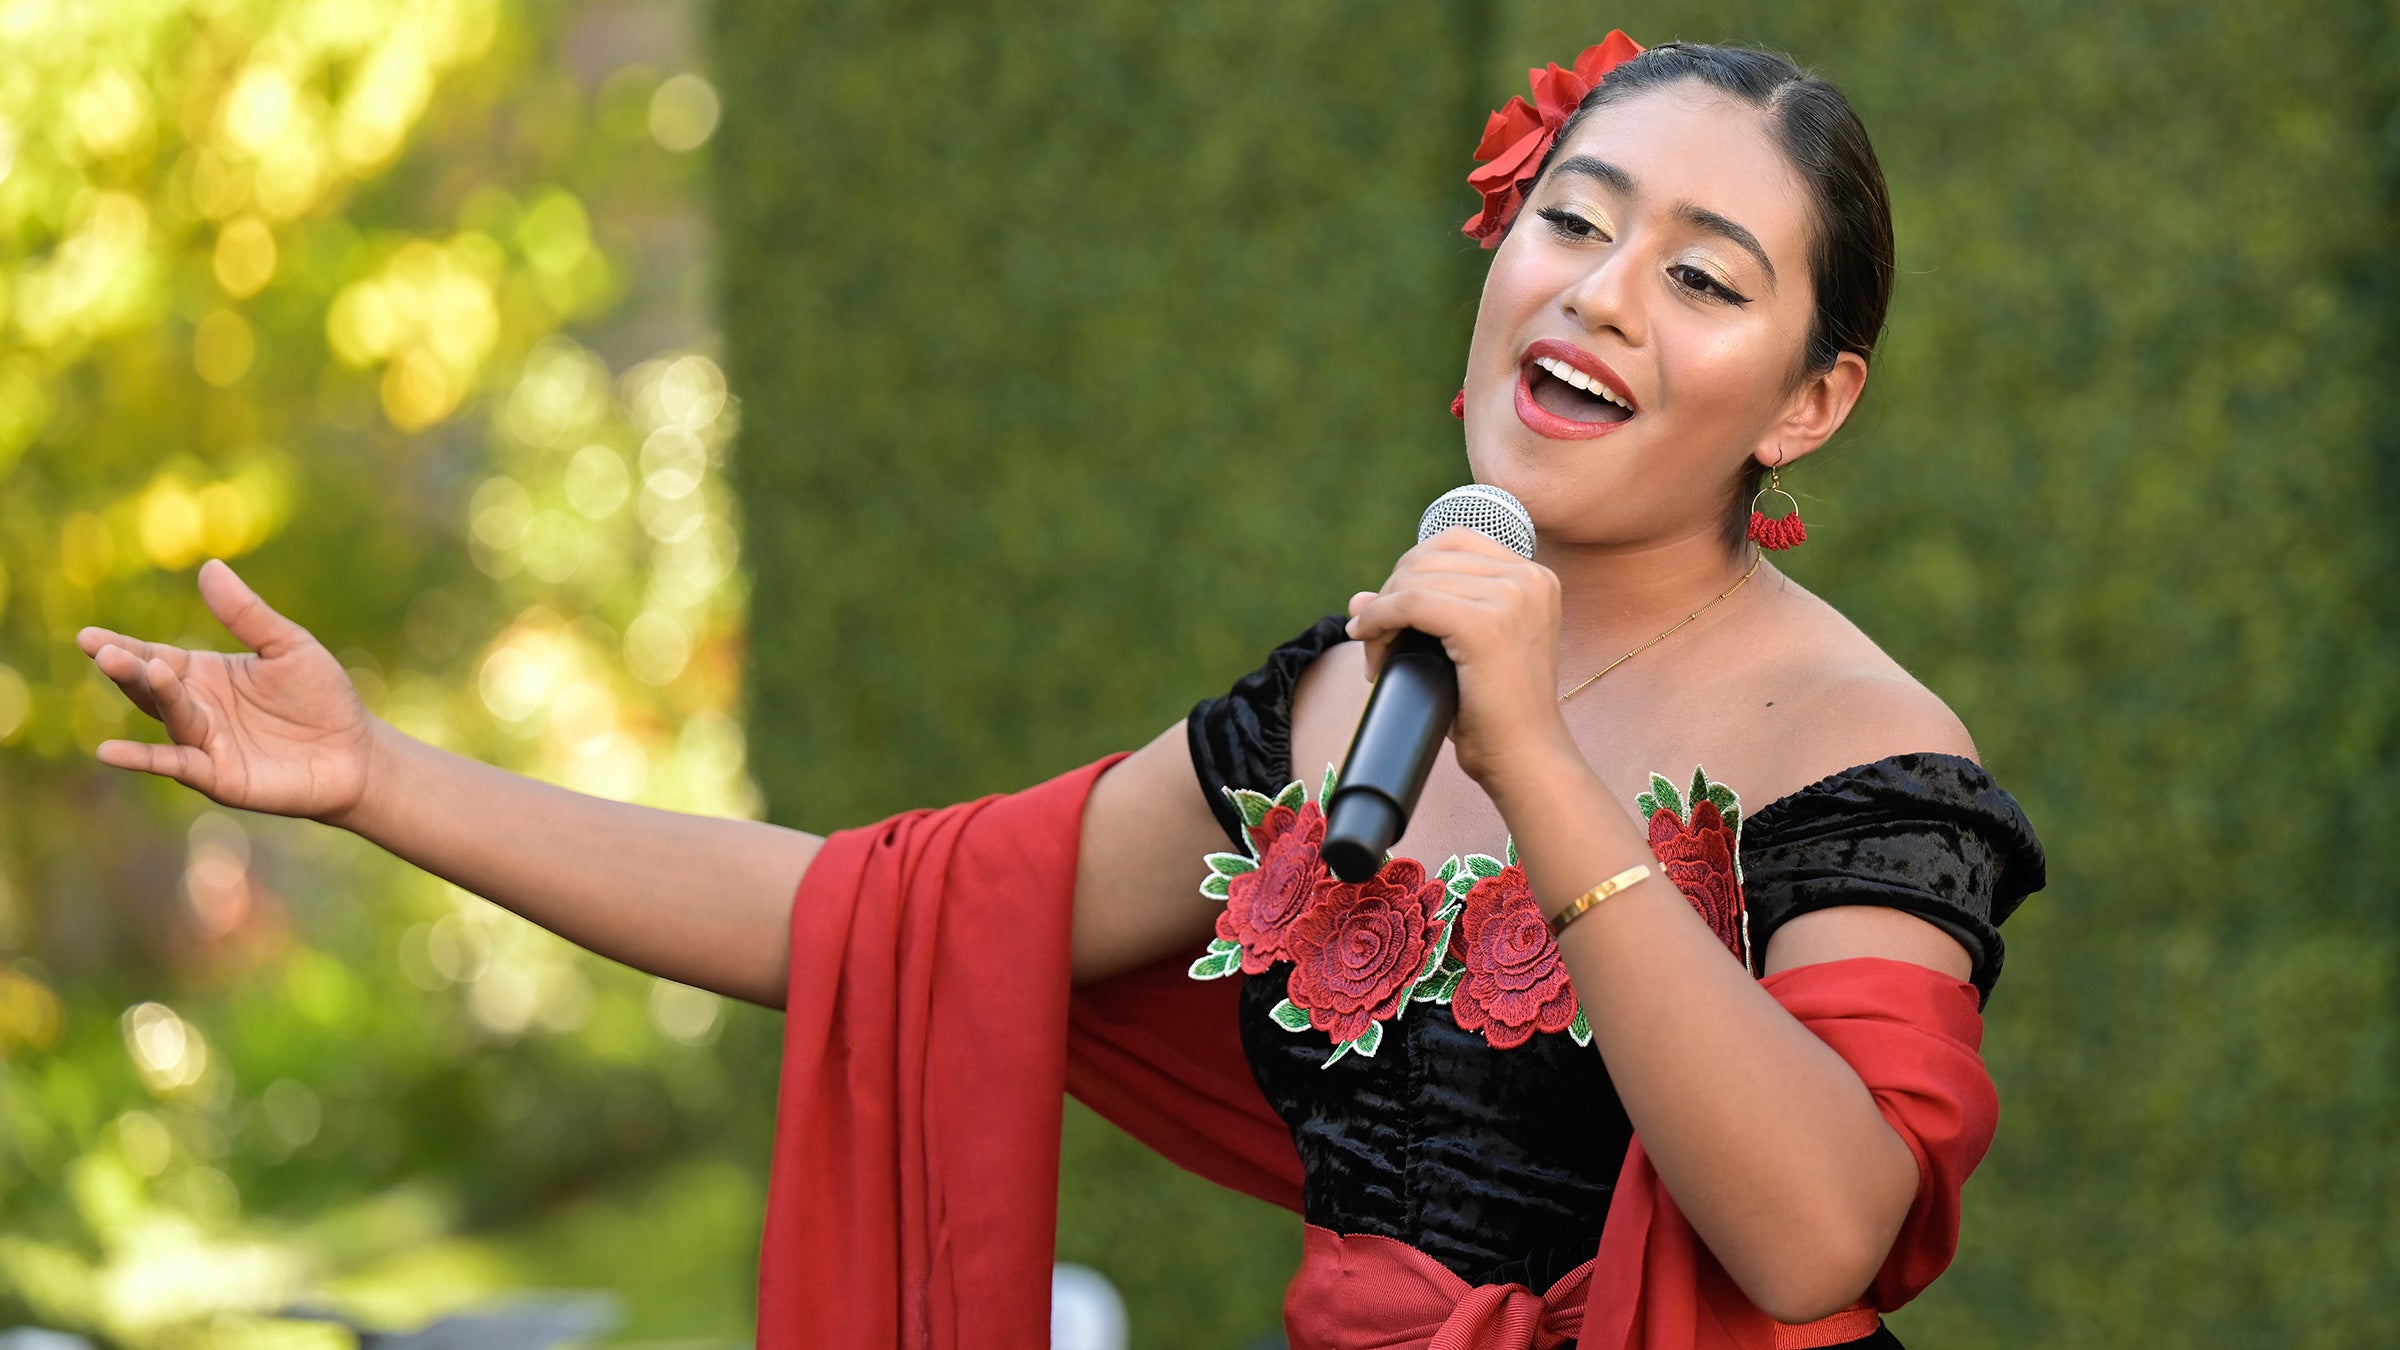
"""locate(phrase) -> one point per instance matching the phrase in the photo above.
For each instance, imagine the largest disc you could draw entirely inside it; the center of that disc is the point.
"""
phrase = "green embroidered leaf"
(1668, 799)
(1724, 797)
(1450, 983)
(1332, 781)
(1221, 945)
(1427, 991)
(1294, 794)
(1484, 865)
(1340, 1049)
(1461, 884)
(1254, 807)
(1367, 1043)
(1290, 1016)
(1216, 964)
(1512, 850)
(1215, 886)
(1231, 864)
(1580, 1028)
(1648, 804)
(1450, 869)
(1699, 792)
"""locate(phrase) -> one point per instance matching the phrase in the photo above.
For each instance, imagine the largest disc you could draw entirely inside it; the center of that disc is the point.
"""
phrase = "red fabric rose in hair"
(1260, 906)
(1516, 983)
(1517, 136)
(1357, 946)
(1699, 860)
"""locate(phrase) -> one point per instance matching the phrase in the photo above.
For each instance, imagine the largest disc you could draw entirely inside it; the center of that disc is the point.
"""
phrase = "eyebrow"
(1699, 217)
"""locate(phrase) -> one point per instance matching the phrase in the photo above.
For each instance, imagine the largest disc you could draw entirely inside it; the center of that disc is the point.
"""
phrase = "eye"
(1569, 225)
(1698, 280)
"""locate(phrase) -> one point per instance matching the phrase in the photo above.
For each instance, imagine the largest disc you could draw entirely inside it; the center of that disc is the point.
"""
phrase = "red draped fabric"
(931, 1036)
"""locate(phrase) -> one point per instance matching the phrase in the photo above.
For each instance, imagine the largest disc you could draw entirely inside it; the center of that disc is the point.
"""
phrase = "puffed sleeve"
(1243, 738)
(1928, 833)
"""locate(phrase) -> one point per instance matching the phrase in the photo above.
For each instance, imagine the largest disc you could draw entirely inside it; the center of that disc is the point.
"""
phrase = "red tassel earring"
(1458, 406)
(1776, 534)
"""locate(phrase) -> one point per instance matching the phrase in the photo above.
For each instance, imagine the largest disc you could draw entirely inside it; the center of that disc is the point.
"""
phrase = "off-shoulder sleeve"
(1930, 834)
(1243, 738)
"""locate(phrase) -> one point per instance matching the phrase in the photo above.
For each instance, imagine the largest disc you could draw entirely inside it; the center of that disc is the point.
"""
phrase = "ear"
(1815, 411)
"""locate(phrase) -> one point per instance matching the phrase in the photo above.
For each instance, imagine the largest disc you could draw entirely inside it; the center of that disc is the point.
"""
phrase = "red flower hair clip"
(1519, 135)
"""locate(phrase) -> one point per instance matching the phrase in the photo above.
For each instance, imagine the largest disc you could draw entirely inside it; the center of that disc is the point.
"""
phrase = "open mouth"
(1565, 392)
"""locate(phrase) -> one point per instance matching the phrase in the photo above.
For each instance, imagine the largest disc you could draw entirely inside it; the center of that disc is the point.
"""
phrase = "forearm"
(1767, 1139)
(697, 899)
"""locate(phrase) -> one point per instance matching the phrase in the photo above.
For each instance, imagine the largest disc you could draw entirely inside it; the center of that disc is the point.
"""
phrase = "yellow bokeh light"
(167, 1051)
(383, 102)
(417, 391)
(245, 257)
(110, 114)
(362, 326)
(222, 348)
(260, 110)
(172, 524)
(230, 525)
(289, 178)
(461, 320)
(684, 112)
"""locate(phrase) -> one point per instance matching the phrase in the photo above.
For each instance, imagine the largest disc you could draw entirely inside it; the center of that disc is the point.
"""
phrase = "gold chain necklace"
(1737, 585)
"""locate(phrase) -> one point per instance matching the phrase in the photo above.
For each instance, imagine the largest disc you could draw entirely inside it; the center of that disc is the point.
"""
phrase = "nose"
(1606, 297)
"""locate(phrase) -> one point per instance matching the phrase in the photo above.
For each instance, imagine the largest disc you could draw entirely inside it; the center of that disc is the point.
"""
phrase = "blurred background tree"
(1084, 353)
(403, 308)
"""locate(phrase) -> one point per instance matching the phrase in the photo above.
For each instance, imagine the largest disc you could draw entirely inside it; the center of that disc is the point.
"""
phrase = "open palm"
(278, 728)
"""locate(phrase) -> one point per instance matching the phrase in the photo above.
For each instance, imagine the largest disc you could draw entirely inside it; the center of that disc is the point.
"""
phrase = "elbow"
(1813, 1280)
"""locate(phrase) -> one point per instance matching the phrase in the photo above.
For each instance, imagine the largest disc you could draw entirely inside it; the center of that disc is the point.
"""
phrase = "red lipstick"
(1541, 420)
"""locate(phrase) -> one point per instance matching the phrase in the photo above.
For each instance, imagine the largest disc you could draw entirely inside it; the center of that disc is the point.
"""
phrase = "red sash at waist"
(1359, 1291)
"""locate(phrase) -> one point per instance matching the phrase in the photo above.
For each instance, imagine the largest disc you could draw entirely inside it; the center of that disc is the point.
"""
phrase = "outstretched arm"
(280, 729)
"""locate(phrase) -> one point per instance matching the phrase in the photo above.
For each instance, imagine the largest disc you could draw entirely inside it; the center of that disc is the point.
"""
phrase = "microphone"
(1414, 701)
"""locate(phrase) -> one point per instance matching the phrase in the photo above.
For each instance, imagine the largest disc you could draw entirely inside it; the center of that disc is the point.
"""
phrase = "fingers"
(124, 668)
(185, 764)
(244, 615)
(91, 640)
(185, 716)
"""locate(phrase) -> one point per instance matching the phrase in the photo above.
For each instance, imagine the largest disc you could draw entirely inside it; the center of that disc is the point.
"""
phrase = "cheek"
(1715, 375)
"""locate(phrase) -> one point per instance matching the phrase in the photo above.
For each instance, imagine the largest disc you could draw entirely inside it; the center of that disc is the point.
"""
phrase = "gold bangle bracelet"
(1592, 897)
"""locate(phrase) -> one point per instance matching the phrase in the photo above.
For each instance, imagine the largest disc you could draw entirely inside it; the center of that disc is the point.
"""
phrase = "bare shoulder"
(1326, 704)
(1850, 702)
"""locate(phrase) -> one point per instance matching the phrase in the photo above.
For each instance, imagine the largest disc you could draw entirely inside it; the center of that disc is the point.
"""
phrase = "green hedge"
(1087, 351)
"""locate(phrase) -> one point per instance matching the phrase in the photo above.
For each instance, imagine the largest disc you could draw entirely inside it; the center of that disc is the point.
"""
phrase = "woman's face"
(1663, 256)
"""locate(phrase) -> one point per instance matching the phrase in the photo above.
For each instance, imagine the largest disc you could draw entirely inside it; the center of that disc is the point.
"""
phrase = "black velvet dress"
(1499, 1162)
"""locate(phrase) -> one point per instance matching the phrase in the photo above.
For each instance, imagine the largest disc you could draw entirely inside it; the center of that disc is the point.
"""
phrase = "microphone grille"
(1485, 509)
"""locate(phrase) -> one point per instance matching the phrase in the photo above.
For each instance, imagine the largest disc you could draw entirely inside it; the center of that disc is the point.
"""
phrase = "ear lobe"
(1819, 407)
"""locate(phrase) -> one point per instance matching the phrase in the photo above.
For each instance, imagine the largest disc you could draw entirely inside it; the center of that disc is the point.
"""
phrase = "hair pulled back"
(1850, 238)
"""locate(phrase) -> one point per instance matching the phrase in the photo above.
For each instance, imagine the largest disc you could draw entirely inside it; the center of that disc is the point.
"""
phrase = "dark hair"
(1850, 241)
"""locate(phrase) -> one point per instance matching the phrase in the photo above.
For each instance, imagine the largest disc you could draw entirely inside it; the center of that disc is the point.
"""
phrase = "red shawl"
(913, 1200)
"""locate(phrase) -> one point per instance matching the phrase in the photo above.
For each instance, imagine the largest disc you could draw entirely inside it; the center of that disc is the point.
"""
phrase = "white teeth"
(1580, 380)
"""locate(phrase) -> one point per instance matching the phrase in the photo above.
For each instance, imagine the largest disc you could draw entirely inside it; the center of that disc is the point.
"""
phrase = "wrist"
(382, 762)
(1543, 769)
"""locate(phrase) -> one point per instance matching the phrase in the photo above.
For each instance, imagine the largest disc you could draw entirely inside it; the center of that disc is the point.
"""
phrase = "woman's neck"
(1616, 597)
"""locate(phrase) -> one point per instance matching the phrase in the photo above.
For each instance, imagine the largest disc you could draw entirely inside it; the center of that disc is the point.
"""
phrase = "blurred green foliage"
(1090, 350)
(403, 308)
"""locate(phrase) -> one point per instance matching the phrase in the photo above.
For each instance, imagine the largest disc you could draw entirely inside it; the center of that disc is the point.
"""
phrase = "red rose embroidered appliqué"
(1698, 841)
(1262, 905)
(1516, 983)
(1359, 949)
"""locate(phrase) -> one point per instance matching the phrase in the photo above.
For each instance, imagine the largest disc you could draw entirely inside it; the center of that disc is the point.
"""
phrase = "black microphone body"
(1409, 712)
(1413, 704)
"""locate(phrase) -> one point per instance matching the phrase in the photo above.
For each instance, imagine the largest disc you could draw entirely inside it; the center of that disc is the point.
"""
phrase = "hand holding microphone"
(1461, 641)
